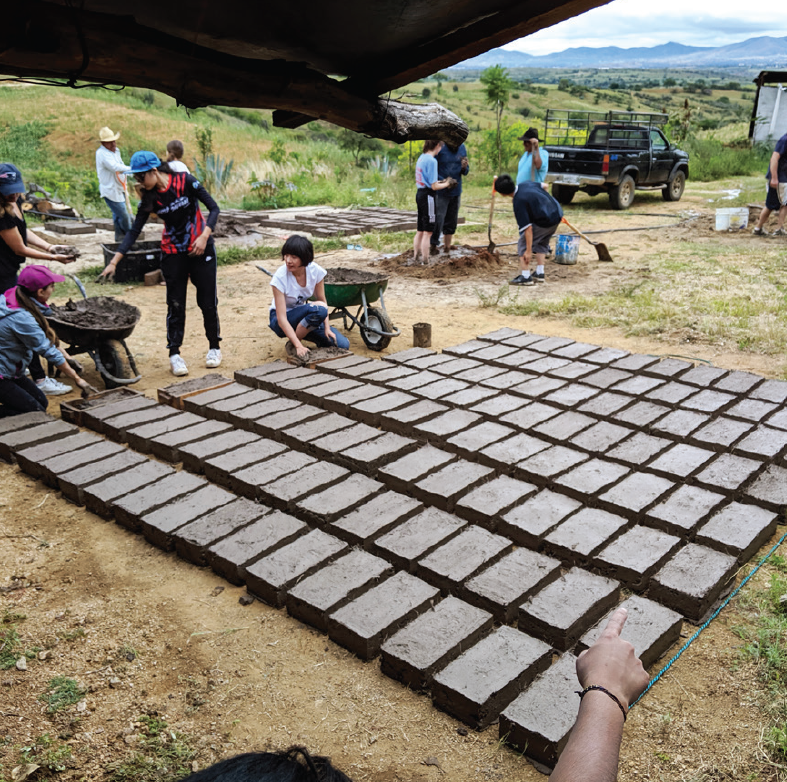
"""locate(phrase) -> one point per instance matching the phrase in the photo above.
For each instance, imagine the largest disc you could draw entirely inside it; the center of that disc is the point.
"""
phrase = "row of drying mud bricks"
(316, 573)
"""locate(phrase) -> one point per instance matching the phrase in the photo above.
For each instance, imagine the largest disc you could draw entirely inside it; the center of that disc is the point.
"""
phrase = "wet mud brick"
(527, 523)
(445, 425)
(316, 428)
(571, 395)
(671, 393)
(370, 410)
(429, 362)
(99, 497)
(738, 530)
(504, 586)
(117, 427)
(482, 681)
(285, 492)
(271, 380)
(73, 410)
(139, 437)
(168, 445)
(159, 525)
(445, 486)
(246, 417)
(339, 499)
(770, 489)
(538, 722)
(738, 383)
(335, 585)
(703, 375)
(335, 442)
(50, 469)
(12, 423)
(469, 396)
(451, 564)
(374, 518)
(401, 419)
(681, 461)
(530, 414)
(634, 362)
(601, 437)
(363, 624)
(250, 480)
(668, 368)
(402, 356)
(440, 389)
(505, 380)
(650, 628)
(175, 394)
(248, 544)
(131, 507)
(546, 465)
(403, 472)
(605, 404)
(588, 479)
(771, 391)
(525, 340)
(639, 449)
(537, 386)
(708, 401)
(636, 493)
(94, 417)
(269, 578)
(340, 364)
(693, 580)
(30, 459)
(250, 376)
(221, 467)
(502, 334)
(563, 610)
(638, 386)
(73, 483)
(20, 439)
(347, 399)
(277, 425)
(505, 454)
(721, 433)
(192, 540)
(763, 443)
(728, 473)
(416, 381)
(222, 409)
(466, 347)
(388, 373)
(455, 366)
(636, 555)
(367, 457)
(575, 370)
(472, 440)
(426, 645)
(684, 510)
(579, 537)
(486, 504)
(779, 420)
(418, 536)
(679, 423)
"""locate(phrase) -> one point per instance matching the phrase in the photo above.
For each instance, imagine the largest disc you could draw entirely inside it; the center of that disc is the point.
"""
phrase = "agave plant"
(214, 172)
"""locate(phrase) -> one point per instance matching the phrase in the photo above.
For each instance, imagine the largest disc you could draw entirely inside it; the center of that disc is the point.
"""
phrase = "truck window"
(657, 141)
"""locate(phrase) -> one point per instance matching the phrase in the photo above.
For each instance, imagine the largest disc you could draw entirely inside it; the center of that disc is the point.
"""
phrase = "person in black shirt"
(187, 249)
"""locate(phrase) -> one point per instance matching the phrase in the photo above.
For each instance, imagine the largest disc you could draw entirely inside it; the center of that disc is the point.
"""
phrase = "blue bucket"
(567, 249)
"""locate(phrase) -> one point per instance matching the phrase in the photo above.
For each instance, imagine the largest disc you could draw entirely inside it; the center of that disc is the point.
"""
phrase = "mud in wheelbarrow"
(351, 288)
(99, 326)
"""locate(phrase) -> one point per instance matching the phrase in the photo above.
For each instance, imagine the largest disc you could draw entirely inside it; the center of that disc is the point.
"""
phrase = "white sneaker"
(52, 387)
(213, 359)
(178, 365)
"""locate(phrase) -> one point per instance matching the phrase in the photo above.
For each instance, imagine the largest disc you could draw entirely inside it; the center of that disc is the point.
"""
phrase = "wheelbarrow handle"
(78, 284)
(263, 269)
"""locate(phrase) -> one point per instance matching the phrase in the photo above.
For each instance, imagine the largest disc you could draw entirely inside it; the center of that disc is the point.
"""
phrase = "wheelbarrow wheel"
(115, 360)
(378, 319)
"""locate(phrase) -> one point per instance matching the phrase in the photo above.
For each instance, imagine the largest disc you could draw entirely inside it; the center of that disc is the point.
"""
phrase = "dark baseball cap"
(10, 179)
(529, 133)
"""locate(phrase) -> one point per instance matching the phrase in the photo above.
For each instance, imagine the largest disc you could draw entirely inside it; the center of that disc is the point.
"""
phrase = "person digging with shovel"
(538, 215)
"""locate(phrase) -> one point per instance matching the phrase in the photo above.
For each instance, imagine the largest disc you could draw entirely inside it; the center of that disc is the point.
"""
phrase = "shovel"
(601, 248)
(490, 248)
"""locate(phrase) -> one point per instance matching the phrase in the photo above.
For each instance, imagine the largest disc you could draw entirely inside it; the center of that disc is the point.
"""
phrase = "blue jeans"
(20, 395)
(120, 218)
(312, 316)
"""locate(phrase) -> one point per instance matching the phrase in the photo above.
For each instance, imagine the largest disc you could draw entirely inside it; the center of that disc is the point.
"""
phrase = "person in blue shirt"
(427, 182)
(775, 191)
(538, 215)
(534, 164)
(451, 162)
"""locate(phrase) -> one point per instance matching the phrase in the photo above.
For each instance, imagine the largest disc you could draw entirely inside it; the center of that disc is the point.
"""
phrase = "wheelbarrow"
(78, 324)
(347, 288)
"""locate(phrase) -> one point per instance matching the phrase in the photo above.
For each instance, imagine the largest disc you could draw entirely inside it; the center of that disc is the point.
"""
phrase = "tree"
(497, 86)
(439, 78)
(357, 143)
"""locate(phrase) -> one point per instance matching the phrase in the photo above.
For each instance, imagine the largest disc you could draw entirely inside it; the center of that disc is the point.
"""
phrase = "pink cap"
(34, 277)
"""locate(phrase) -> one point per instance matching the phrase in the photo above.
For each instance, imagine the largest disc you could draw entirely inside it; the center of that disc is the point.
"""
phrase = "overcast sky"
(630, 23)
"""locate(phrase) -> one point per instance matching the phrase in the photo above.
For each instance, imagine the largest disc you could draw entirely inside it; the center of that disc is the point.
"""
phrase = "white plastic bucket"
(567, 249)
(732, 218)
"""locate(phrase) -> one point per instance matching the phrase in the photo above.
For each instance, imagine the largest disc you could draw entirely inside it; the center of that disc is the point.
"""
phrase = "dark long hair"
(26, 301)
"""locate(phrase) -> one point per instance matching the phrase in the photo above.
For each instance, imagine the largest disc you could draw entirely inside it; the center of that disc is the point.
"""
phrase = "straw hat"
(106, 135)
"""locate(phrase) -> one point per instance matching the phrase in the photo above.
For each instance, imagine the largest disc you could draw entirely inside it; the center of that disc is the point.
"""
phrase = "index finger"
(615, 625)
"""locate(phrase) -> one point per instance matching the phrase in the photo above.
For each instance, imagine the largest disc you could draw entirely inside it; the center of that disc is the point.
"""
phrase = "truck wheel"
(674, 189)
(563, 193)
(622, 195)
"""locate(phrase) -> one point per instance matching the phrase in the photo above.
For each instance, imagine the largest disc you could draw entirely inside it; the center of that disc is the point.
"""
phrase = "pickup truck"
(617, 152)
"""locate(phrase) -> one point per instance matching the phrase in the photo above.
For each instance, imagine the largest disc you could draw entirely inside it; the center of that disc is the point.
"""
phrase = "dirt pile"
(461, 261)
(343, 276)
(99, 312)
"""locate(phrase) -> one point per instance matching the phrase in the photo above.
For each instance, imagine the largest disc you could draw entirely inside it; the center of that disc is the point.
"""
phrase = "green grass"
(46, 753)
(61, 692)
(164, 755)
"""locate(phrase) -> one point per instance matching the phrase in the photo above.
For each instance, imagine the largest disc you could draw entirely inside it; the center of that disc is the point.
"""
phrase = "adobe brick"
(482, 681)
(600, 437)
(99, 497)
(341, 401)
(571, 395)
(218, 468)
(13, 422)
(412, 382)
(139, 437)
(431, 641)
(224, 409)
(250, 543)
(703, 375)
(779, 420)
(639, 385)
(523, 340)
(445, 486)
(681, 461)
(606, 378)
(402, 356)
(605, 404)
(279, 425)
(635, 362)
(248, 481)
(671, 393)
(643, 414)
(728, 473)
(21, 439)
(563, 426)
(604, 356)
(669, 368)
(538, 386)
(370, 410)
(754, 410)
(548, 464)
(469, 396)
(635, 493)
(685, 509)
(721, 433)
(738, 530)
(505, 585)
(169, 446)
(526, 524)
(403, 472)
(575, 350)
(428, 362)
(563, 610)
(343, 497)
(574, 371)
(250, 375)
(530, 414)
(455, 366)
(738, 382)
(196, 403)
(588, 479)
(639, 449)
(443, 426)
(269, 578)
(440, 388)
(336, 366)
(335, 585)
(491, 500)
(246, 416)
(316, 428)
(582, 535)
(502, 334)
(73, 483)
(29, 459)
(129, 508)
(708, 401)
(505, 380)
(175, 394)
(117, 427)
(693, 580)
(369, 456)
(284, 492)
(374, 518)
(50, 469)
(763, 443)
(387, 373)
(94, 415)
(193, 539)
(419, 411)
(498, 405)
(771, 391)
(332, 444)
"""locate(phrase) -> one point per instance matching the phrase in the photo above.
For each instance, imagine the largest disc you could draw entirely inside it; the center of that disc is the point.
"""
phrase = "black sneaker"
(521, 280)
(434, 249)
(538, 276)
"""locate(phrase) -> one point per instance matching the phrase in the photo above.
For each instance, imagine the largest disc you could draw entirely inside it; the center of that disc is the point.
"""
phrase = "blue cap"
(10, 179)
(144, 161)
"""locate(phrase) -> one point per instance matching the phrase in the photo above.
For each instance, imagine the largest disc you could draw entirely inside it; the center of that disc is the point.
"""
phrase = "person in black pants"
(187, 249)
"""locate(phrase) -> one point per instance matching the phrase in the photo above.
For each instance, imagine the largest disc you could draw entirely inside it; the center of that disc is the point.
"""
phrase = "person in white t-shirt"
(112, 172)
(174, 155)
(292, 315)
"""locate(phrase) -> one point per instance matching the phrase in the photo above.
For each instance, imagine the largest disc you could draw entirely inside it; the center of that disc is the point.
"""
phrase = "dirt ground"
(146, 633)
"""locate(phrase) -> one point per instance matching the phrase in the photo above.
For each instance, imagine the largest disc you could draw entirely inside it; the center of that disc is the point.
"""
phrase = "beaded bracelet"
(607, 692)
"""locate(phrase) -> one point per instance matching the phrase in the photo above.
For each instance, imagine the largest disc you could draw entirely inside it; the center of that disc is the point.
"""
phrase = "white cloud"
(632, 23)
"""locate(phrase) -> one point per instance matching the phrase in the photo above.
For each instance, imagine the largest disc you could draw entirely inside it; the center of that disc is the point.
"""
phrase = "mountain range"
(764, 52)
